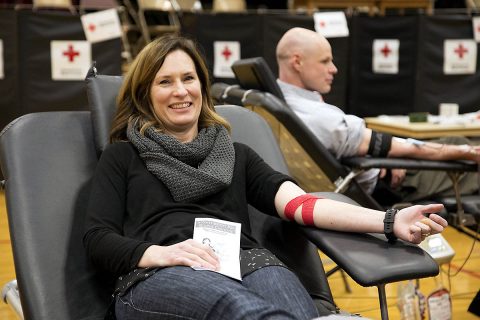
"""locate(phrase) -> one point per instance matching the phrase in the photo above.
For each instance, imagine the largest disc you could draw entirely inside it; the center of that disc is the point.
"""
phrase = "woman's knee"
(245, 304)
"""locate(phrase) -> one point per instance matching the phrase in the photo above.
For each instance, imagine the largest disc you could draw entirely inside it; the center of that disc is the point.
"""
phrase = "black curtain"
(10, 108)
(37, 89)
(372, 94)
(433, 86)
(207, 28)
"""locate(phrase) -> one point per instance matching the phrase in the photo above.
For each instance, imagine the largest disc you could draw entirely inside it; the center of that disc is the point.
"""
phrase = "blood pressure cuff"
(380, 144)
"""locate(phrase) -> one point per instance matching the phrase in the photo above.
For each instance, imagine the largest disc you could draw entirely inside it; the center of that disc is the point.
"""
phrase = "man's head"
(305, 60)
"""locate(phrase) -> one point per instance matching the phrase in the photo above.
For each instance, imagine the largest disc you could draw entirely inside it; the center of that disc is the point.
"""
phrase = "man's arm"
(363, 148)
(433, 151)
(401, 148)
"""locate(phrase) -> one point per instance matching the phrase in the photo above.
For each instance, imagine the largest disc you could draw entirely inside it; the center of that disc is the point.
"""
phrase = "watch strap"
(388, 224)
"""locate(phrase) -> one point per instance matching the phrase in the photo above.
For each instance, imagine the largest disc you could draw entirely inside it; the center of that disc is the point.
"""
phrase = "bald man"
(306, 71)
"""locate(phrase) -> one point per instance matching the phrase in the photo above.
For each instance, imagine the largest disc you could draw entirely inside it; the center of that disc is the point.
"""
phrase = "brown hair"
(133, 101)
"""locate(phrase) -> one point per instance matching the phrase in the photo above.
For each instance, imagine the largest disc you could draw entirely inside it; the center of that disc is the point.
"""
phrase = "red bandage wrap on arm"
(308, 202)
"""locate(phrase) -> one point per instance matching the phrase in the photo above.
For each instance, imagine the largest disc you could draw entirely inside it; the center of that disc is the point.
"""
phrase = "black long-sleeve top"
(130, 209)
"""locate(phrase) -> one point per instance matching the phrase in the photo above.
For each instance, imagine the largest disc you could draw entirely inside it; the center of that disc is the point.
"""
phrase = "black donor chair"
(257, 86)
(47, 178)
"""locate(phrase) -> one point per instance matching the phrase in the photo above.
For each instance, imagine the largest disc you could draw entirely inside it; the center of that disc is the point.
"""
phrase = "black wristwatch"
(388, 225)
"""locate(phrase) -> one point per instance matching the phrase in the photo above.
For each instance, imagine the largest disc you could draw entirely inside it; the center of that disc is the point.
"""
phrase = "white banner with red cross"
(459, 56)
(476, 28)
(101, 26)
(331, 24)
(225, 53)
(70, 59)
(385, 56)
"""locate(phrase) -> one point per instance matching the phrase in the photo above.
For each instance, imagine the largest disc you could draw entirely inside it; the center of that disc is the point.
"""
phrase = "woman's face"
(176, 96)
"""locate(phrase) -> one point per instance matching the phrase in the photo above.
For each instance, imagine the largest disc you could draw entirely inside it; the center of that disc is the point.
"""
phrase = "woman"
(171, 160)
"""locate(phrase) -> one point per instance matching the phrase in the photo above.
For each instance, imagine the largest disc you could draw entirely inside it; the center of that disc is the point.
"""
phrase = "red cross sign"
(461, 50)
(91, 27)
(386, 50)
(70, 53)
(226, 53)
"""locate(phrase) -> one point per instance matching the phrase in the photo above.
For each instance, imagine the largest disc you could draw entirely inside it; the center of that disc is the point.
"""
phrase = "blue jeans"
(183, 293)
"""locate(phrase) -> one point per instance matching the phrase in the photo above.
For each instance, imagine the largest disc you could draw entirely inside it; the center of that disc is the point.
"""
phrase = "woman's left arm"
(410, 224)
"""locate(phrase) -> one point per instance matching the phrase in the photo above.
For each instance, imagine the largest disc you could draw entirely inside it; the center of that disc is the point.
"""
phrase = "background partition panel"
(433, 85)
(209, 28)
(38, 90)
(10, 108)
(372, 93)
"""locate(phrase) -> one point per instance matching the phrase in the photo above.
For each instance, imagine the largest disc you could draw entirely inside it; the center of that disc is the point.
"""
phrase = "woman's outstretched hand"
(188, 253)
(412, 225)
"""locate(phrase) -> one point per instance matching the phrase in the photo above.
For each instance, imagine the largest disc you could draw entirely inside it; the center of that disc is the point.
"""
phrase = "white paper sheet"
(224, 238)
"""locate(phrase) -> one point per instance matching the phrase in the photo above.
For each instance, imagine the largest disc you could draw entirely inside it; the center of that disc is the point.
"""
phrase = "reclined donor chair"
(279, 236)
(47, 177)
(258, 87)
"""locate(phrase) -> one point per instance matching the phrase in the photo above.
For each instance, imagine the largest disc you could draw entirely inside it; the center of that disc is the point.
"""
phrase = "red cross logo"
(226, 53)
(461, 50)
(478, 28)
(386, 50)
(70, 53)
(91, 27)
(322, 24)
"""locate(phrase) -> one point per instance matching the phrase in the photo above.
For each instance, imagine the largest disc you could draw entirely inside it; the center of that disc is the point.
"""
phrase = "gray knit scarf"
(192, 170)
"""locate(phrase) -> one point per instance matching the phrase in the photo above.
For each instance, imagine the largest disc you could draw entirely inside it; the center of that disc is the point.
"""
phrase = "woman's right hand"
(188, 253)
(412, 225)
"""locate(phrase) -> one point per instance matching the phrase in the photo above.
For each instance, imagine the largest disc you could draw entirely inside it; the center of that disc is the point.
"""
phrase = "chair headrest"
(102, 93)
(254, 73)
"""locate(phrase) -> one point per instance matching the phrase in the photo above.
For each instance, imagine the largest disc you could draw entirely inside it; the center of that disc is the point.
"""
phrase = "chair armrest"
(369, 259)
(404, 163)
